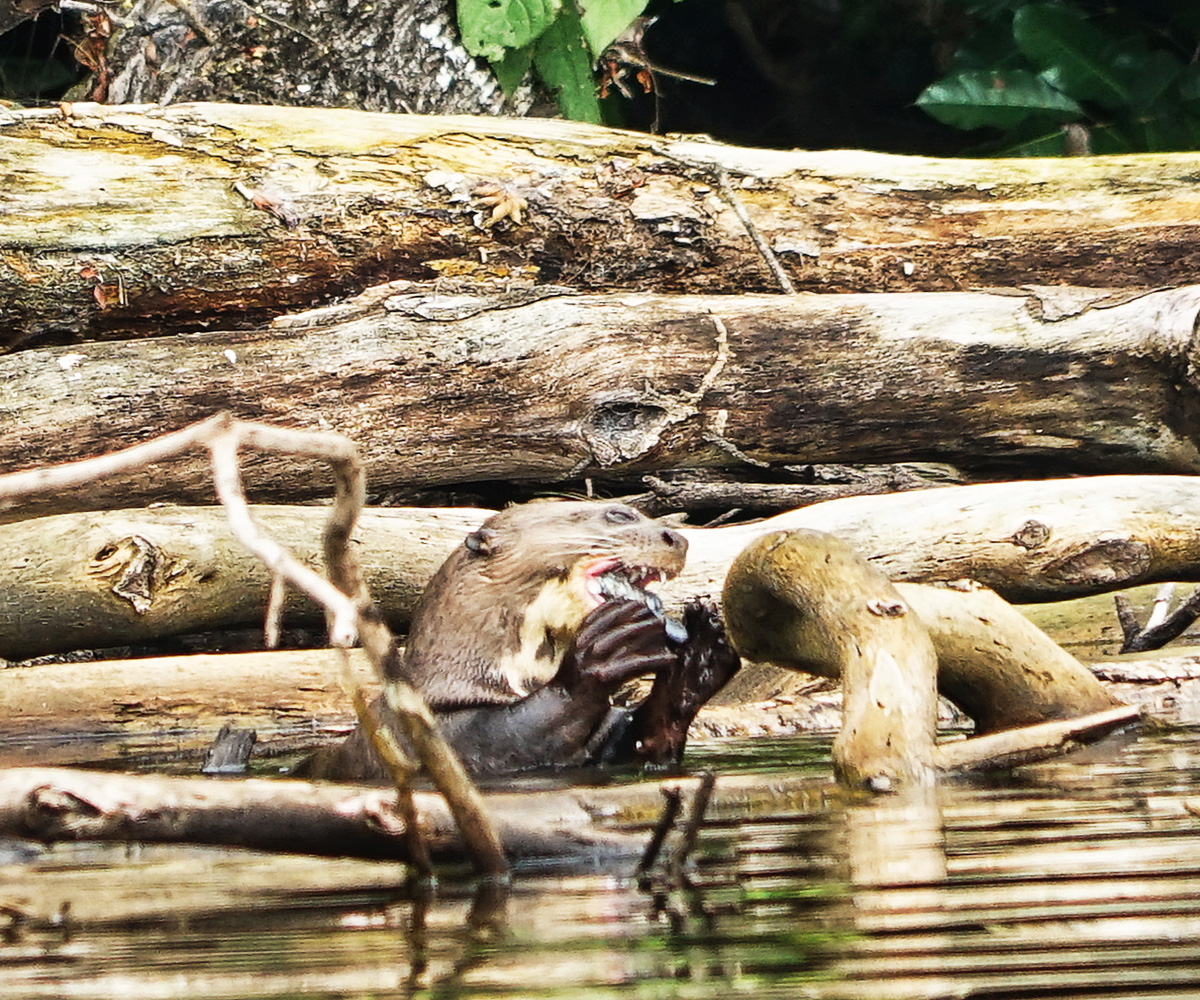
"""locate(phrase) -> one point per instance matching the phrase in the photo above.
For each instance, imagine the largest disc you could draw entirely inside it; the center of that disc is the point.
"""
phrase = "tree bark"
(92, 580)
(439, 389)
(189, 217)
(99, 579)
(197, 693)
(1028, 541)
(807, 601)
(397, 55)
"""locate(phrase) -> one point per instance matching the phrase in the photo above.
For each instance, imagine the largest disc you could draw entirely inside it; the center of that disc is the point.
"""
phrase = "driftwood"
(1161, 626)
(270, 689)
(305, 204)
(93, 580)
(996, 665)
(584, 824)
(1043, 380)
(699, 489)
(807, 601)
(1028, 541)
(125, 577)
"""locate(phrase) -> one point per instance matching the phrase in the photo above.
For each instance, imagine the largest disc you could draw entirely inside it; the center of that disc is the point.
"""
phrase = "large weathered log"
(1028, 541)
(99, 579)
(53, 805)
(93, 580)
(136, 225)
(108, 709)
(187, 696)
(438, 388)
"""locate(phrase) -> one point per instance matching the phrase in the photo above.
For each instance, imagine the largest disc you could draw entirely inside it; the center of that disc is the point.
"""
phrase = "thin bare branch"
(351, 613)
(1162, 605)
(398, 765)
(59, 478)
(756, 236)
(343, 627)
(1171, 627)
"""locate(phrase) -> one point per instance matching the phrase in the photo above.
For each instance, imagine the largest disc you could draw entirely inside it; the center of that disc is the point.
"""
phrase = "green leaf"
(1074, 54)
(511, 70)
(489, 28)
(604, 20)
(1149, 74)
(564, 63)
(1000, 99)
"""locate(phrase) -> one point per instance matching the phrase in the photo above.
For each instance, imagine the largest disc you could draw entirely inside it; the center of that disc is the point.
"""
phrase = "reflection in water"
(1078, 879)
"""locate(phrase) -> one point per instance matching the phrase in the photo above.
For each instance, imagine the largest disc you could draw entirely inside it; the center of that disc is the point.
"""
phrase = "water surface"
(1077, 879)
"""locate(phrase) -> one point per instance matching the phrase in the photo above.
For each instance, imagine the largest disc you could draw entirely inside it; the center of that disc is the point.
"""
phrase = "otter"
(530, 626)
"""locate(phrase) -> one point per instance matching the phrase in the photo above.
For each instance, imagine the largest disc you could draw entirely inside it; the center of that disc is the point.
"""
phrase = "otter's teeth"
(615, 583)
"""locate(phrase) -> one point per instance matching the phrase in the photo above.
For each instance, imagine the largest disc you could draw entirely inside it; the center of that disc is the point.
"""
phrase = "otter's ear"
(480, 541)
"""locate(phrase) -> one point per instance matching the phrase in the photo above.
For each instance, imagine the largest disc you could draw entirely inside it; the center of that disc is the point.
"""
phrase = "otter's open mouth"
(613, 580)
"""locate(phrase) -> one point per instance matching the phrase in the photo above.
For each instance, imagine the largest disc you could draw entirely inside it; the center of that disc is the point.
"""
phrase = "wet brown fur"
(495, 620)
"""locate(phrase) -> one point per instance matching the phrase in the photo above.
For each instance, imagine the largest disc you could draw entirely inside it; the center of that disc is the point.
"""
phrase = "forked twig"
(348, 605)
(1161, 627)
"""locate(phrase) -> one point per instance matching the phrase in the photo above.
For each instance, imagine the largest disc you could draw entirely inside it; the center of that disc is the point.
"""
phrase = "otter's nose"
(674, 539)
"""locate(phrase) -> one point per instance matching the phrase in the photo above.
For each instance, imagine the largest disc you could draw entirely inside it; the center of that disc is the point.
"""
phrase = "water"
(1077, 879)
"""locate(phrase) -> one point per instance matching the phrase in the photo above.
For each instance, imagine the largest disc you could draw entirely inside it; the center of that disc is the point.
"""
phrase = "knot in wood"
(1104, 562)
(887, 609)
(135, 561)
(53, 813)
(620, 430)
(1031, 535)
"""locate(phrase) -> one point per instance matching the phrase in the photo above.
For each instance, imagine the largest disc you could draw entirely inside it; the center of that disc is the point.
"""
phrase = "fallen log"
(1028, 541)
(103, 710)
(100, 579)
(588, 825)
(805, 600)
(306, 204)
(1041, 381)
(97, 579)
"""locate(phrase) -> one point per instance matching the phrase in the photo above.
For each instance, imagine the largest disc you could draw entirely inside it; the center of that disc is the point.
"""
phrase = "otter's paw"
(616, 642)
(706, 659)
(704, 662)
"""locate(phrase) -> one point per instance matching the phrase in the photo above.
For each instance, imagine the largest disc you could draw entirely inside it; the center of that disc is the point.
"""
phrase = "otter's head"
(517, 589)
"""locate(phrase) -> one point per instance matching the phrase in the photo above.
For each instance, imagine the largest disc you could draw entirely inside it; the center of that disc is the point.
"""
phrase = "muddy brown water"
(1079, 879)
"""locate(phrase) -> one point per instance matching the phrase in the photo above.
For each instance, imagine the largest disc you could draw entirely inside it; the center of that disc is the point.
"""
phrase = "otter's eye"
(620, 515)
